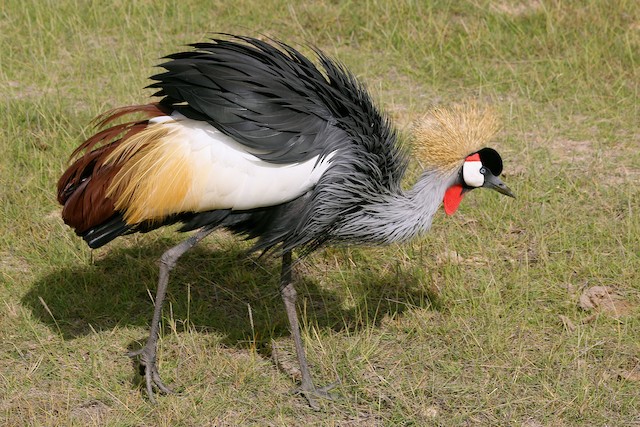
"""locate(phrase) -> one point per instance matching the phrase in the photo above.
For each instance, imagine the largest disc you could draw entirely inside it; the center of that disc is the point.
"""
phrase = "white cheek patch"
(471, 173)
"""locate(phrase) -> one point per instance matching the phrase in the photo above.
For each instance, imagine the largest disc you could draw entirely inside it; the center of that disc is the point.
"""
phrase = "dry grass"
(478, 323)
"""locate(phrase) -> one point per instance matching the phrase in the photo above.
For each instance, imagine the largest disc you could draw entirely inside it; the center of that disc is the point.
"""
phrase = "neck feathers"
(400, 216)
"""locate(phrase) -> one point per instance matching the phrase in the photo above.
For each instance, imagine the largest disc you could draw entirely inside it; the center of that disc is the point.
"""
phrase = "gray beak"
(493, 182)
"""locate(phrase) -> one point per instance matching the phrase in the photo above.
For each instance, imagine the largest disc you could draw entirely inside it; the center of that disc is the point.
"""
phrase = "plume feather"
(154, 176)
(444, 137)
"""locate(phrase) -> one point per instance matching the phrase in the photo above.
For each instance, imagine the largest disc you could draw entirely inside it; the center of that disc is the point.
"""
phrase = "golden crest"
(444, 137)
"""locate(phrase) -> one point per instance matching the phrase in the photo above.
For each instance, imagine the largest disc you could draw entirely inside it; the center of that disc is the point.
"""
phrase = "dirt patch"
(632, 375)
(612, 166)
(54, 215)
(622, 175)
(532, 422)
(518, 9)
(454, 258)
(605, 300)
(94, 410)
(18, 91)
(596, 300)
(572, 151)
(569, 326)
(13, 263)
(451, 257)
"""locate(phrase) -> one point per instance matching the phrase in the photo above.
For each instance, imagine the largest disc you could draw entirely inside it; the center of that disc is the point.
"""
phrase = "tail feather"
(82, 189)
(150, 110)
(106, 232)
(111, 133)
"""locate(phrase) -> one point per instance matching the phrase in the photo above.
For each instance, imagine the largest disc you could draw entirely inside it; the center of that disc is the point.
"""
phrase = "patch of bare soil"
(519, 8)
(13, 263)
(630, 375)
(597, 300)
(54, 215)
(613, 165)
(93, 410)
(623, 175)
(604, 299)
(532, 422)
(572, 151)
(18, 90)
(451, 257)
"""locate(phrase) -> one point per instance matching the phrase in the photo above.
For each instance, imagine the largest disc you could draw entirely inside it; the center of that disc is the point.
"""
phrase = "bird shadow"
(226, 291)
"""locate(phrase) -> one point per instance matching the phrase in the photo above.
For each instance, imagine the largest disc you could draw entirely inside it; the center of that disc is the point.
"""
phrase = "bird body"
(254, 137)
(277, 128)
(183, 165)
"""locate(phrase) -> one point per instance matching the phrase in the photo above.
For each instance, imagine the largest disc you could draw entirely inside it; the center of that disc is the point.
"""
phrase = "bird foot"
(315, 393)
(149, 369)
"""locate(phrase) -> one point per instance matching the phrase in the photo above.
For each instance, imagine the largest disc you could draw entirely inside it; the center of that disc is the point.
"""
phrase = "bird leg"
(147, 353)
(289, 295)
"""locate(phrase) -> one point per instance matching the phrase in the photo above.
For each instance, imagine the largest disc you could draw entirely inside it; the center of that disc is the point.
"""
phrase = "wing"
(267, 97)
(280, 105)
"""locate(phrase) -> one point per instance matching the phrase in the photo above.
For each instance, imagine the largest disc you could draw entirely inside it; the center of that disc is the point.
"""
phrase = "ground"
(517, 312)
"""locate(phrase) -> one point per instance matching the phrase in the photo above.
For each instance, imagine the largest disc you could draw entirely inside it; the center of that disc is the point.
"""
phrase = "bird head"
(479, 170)
(451, 142)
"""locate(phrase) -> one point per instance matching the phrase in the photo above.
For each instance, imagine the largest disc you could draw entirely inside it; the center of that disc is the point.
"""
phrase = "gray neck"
(400, 216)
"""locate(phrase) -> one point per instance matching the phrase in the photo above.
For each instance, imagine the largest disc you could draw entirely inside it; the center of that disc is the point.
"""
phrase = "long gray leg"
(289, 295)
(147, 353)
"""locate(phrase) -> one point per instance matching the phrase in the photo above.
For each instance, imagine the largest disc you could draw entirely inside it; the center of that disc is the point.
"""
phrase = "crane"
(255, 137)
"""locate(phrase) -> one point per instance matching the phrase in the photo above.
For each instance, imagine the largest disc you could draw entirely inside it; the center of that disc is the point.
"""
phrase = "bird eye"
(483, 170)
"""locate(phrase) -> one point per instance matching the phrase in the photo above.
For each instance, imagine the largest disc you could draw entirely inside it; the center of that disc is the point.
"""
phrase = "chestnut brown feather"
(83, 186)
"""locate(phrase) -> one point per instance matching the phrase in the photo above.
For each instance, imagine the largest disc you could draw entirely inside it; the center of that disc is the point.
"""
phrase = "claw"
(317, 392)
(148, 368)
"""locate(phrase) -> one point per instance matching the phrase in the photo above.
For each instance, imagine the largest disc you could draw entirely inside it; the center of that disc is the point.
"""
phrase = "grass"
(477, 323)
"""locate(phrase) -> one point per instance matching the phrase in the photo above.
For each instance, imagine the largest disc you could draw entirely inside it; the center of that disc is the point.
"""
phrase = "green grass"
(416, 335)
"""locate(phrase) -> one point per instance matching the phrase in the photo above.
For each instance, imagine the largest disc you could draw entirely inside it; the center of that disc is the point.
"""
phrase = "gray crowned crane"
(254, 137)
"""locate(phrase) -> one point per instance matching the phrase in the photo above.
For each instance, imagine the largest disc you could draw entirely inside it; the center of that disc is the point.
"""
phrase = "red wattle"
(452, 198)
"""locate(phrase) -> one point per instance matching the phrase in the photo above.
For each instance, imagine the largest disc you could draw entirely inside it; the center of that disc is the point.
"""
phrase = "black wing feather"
(264, 97)
(284, 109)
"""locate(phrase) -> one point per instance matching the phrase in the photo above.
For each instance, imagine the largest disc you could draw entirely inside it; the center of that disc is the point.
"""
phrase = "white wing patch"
(226, 176)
